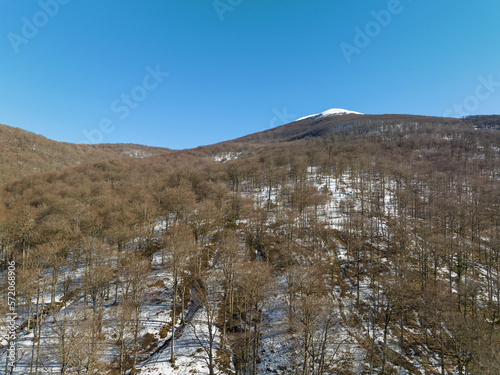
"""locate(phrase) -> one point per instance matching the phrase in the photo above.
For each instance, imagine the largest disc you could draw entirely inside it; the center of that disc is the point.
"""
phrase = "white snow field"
(331, 112)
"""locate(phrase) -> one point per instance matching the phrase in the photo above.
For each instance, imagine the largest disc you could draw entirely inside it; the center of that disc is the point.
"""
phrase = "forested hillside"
(342, 245)
(23, 153)
(352, 124)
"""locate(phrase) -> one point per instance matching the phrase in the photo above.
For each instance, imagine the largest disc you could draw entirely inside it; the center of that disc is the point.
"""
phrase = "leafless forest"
(343, 245)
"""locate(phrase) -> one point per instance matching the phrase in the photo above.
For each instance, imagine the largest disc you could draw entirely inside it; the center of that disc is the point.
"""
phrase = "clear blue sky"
(238, 66)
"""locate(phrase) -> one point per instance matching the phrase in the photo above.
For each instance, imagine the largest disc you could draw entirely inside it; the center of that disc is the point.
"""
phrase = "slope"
(328, 126)
(23, 153)
(368, 245)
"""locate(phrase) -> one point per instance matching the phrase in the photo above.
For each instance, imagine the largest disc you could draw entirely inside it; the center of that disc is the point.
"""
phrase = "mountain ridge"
(332, 112)
(362, 221)
(24, 152)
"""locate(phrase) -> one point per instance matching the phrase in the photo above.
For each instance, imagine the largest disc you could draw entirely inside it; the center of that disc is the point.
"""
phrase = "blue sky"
(183, 73)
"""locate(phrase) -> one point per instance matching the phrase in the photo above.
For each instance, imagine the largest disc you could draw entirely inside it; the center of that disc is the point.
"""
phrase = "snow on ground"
(332, 112)
(226, 156)
(276, 347)
(351, 339)
(191, 358)
(154, 315)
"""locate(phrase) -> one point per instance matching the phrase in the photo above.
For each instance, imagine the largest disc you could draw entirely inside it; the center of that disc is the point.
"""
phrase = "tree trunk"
(174, 307)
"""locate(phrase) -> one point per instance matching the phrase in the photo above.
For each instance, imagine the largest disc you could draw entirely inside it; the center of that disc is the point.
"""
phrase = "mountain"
(324, 126)
(332, 112)
(23, 153)
(336, 244)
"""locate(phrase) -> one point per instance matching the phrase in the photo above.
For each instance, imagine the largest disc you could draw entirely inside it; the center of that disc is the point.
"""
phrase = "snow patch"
(226, 156)
(332, 112)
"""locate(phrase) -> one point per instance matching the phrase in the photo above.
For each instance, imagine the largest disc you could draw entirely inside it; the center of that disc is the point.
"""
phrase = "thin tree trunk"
(174, 307)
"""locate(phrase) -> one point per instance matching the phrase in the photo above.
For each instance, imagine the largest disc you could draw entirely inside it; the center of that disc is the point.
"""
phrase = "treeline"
(485, 122)
(416, 247)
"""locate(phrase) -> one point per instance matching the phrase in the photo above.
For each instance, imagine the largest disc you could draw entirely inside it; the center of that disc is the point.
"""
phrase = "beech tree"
(182, 247)
(253, 285)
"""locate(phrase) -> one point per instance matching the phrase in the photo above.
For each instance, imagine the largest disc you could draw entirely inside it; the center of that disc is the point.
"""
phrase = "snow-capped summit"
(332, 112)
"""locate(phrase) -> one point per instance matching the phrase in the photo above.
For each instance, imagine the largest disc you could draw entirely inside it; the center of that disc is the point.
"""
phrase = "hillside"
(23, 153)
(352, 244)
(329, 126)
